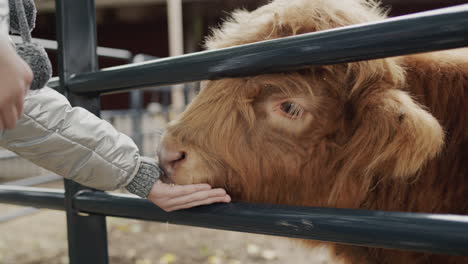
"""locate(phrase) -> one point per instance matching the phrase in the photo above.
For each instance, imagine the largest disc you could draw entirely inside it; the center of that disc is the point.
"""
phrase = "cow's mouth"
(165, 177)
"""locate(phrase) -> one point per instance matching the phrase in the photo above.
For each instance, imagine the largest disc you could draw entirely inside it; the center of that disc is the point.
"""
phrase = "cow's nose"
(170, 159)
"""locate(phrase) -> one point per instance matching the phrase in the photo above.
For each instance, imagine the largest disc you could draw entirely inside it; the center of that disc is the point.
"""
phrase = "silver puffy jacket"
(72, 142)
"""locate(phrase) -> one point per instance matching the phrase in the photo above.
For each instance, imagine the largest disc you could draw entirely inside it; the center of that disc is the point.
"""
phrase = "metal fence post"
(76, 36)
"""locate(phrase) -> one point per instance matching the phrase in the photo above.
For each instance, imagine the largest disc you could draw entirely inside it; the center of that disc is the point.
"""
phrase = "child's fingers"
(9, 117)
(170, 191)
(180, 190)
(197, 196)
(27, 75)
(174, 197)
(211, 200)
(19, 106)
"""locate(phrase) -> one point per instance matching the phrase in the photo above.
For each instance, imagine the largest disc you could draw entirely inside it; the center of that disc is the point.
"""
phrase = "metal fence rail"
(80, 80)
(423, 32)
(111, 53)
(410, 231)
(31, 181)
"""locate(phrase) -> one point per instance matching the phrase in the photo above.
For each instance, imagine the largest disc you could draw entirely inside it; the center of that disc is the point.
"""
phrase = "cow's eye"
(291, 109)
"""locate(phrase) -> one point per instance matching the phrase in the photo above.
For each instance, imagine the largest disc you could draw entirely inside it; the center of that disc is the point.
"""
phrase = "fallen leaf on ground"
(214, 260)
(269, 254)
(135, 228)
(168, 258)
(123, 228)
(204, 251)
(253, 250)
(143, 261)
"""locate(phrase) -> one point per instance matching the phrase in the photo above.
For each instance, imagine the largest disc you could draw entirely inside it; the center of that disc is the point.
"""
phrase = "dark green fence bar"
(77, 53)
(408, 231)
(423, 32)
(31, 196)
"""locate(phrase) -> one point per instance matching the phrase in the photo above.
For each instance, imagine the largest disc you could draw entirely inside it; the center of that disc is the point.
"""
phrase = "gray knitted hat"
(30, 11)
(22, 21)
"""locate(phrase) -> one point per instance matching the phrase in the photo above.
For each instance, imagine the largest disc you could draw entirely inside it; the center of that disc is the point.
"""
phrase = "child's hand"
(174, 197)
(16, 77)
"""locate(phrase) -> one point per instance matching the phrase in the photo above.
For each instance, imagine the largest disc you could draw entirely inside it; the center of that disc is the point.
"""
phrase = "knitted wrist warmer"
(148, 173)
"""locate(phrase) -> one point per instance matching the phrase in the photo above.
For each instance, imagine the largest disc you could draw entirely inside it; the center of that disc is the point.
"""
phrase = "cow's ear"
(389, 136)
(394, 133)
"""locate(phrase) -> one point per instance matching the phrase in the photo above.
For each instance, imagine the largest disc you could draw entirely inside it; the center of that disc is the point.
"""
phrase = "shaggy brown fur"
(388, 134)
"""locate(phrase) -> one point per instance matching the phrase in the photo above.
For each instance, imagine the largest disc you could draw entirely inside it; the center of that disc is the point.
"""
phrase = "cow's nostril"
(180, 156)
(170, 159)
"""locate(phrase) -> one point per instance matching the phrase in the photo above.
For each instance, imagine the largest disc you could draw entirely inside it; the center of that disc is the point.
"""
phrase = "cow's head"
(316, 136)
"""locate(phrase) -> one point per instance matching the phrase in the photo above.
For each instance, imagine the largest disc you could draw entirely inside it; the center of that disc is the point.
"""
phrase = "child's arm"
(76, 144)
(73, 142)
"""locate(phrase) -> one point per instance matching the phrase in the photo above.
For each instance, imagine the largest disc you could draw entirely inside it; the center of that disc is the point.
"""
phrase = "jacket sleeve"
(72, 142)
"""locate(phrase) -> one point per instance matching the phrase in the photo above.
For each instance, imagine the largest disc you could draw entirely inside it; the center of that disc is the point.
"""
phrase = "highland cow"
(387, 134)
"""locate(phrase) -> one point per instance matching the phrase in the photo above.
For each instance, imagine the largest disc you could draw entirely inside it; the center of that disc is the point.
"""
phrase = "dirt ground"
(41, 238)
